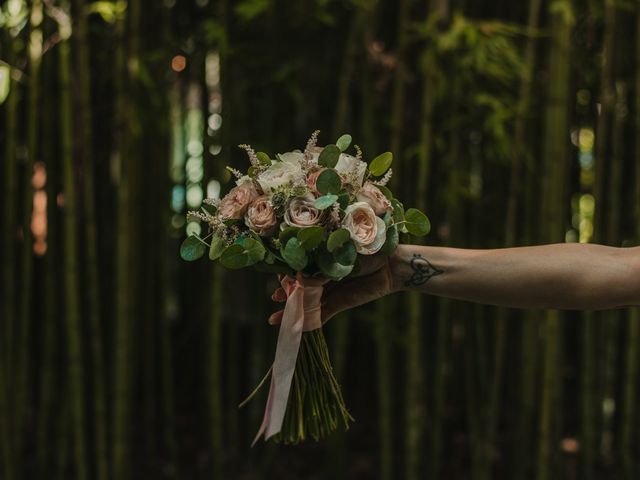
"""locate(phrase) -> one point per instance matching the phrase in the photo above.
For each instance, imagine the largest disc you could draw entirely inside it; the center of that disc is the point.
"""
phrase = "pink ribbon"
(301, 314)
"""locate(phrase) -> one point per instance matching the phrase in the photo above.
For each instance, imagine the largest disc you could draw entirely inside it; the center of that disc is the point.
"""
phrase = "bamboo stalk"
(9, 231)
(556, 155)
(83, 69)
(71, 266)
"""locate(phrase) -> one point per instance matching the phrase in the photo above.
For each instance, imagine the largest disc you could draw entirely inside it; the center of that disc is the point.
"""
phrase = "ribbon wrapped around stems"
(301, 314)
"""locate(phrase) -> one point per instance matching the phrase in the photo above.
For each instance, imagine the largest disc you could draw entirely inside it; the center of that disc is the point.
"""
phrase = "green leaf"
(398, 215)
(234, 257)
(381, 164)
(337, 239)
(416, 222)
(343, 142)
(330, 268)
(325, 201)
(346, 254)
(263, 158)
(311, 237)
(5, 81)
(386, 192)
(388, 216)
(287, 233)
(329, 182)
(329, 156)
(245, 254)
(254, 250)
(294, 254)
(192, 248)
(391, 242)
(343, 200)
(216, 248)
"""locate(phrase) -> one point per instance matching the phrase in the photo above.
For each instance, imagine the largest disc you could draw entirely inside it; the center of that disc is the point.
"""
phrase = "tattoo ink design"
(422, 271)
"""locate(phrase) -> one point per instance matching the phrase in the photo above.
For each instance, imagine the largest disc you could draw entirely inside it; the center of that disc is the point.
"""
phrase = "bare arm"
(564, 276)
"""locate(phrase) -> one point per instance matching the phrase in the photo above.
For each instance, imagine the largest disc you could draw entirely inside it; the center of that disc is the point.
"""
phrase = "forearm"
(567, 276)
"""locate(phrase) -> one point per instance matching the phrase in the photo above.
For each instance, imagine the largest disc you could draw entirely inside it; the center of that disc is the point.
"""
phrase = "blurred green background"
(512, 123)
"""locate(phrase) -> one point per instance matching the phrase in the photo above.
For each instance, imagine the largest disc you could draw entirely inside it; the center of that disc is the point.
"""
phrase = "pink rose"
(372, 195)
(301, 212)
(260, 216)
(235, 203)
(367, 230)
(312, 179)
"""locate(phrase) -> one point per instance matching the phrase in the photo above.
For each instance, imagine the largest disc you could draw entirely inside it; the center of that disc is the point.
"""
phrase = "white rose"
(281, 173)
(367, 230)
(347, 164)
(292, 157)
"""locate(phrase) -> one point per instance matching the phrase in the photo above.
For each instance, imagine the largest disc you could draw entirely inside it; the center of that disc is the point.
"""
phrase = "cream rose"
(260, 216)
(288, 170)
(235, 203)
(367, 230)
(351, 169)
(375, 198)
(301, 213)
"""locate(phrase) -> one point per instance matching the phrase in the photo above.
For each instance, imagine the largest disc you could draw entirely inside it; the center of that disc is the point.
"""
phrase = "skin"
(563, 276)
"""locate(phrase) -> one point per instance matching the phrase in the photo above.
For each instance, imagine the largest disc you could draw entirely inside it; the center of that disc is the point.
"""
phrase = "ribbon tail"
(284, 364)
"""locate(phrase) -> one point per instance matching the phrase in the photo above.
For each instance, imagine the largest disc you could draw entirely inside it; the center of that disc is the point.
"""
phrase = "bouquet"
(309, 216)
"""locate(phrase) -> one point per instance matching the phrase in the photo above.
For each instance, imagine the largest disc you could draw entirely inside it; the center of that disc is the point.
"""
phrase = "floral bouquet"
(309, 216)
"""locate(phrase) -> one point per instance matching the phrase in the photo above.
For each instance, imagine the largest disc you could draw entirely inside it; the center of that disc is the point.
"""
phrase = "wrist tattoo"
(422, 271)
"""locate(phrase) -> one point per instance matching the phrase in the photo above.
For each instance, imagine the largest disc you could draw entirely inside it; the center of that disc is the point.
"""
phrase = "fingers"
(276, 317)
(279, 295)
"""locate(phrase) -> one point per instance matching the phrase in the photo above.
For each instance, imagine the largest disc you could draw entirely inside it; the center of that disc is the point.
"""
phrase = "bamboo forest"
(511, 123)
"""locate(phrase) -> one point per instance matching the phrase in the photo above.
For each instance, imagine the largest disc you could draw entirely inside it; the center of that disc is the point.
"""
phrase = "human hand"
(373, 281)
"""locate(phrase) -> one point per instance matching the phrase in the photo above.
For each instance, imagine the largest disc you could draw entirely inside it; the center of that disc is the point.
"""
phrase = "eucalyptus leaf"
(343, 200)
(398, 210)
(391, 243)
(216, 248)
(329, 156)
(311, 237)
(325, 201)
(234, 257)
(381, 164)
(330, 268)
(294, 254)
(263, 158)
(346, 254)
(329, 182)
(416, 222)
(386, 192)
(287, 233)
(254, 250)
(192, 248)
(337, 239)
(343, 142)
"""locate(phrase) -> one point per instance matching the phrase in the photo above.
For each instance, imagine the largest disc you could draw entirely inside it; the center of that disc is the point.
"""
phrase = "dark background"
(512, 123)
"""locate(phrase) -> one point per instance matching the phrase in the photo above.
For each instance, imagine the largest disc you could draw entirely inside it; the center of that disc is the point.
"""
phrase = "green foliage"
(329, 156)
(287, 233)
(331, 268)
(329, 182)
(337, 238)
(416, 222)
(346, 254)
(310, 237)
(325, 201)
(192, 248)
(248, 10)
(5, 81)
(381, 164)
(386, 192)
(343, 142)
(294, 254)
(391, 242)
(264, 158)
(246, 253)
(216, 248)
